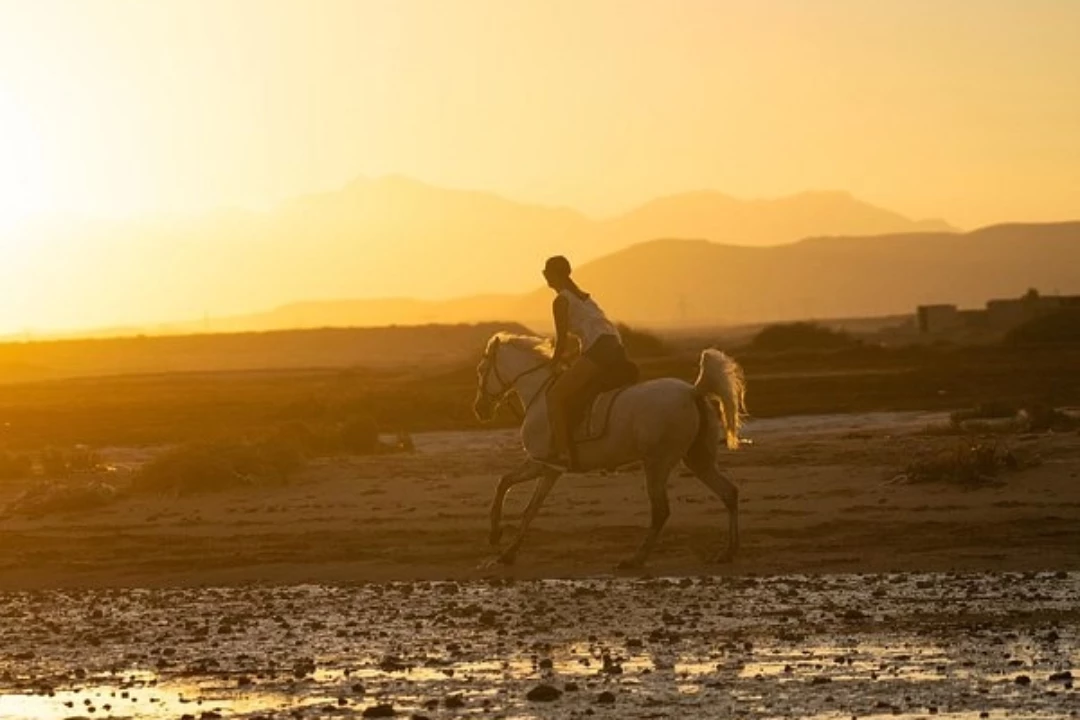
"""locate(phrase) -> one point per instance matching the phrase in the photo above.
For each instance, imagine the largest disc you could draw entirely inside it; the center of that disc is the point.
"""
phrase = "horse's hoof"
(496, 562)
(502, 559)
(495, 536)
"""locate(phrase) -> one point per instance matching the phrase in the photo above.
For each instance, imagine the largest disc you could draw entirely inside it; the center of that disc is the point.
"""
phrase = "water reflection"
(684, 648)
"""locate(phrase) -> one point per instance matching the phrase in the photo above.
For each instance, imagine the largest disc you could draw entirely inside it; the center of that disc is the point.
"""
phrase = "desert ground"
(862, 588)
(896, 559)
(818, 494)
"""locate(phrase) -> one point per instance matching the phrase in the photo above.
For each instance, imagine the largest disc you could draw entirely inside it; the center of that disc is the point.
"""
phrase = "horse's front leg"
(543, 487)
(528, 470)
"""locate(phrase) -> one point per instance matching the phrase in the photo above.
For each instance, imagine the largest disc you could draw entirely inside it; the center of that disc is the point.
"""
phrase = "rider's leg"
(570, 383)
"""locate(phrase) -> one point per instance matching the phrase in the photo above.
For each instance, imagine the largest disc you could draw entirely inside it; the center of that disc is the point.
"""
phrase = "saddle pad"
(597, 416)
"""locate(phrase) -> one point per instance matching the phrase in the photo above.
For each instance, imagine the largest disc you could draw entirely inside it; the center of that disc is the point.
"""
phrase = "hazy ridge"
(390, 237)
(680, 283)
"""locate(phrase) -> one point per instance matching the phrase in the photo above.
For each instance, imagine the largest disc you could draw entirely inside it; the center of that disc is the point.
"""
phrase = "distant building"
(938, 318)
(1000, 315)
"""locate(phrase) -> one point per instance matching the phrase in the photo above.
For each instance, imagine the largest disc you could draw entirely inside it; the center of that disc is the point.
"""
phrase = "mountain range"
(662, 283)
(697, 283)
(367, 253)
(390, 237)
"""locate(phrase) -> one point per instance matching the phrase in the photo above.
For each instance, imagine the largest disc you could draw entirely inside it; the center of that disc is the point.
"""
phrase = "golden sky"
(962, 109)
(966, 110)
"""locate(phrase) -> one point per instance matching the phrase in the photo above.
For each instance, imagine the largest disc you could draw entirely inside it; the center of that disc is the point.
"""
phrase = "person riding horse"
(576, 313)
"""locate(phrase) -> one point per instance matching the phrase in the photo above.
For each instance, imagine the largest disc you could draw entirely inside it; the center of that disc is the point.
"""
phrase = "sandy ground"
(818, 495)
(354, 591)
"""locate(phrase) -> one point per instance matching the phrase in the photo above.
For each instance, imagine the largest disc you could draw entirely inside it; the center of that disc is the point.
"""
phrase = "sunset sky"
(963, 110)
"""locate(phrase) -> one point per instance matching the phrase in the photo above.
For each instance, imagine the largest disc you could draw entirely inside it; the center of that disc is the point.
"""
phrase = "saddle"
(590, 411)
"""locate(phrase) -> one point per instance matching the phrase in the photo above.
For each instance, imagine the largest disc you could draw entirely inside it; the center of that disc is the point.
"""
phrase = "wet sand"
(907, 645)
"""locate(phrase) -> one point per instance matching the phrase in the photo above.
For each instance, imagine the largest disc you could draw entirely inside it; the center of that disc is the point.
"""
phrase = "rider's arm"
(561, 309)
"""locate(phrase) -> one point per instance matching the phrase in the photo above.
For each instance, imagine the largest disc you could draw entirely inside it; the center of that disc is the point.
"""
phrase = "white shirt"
(586, 319)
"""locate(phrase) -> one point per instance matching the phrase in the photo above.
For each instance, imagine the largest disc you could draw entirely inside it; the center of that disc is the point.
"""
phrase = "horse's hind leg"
(529, 470)
(656, 478)
(718, 481)
(543, 487)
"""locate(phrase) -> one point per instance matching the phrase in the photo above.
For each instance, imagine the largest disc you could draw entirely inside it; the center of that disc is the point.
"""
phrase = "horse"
(658, 423)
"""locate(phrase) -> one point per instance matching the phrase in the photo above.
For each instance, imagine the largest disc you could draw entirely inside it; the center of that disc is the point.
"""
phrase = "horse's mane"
(540, 348)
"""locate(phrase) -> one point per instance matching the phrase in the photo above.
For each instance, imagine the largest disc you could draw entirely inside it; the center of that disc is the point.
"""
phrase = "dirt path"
(817, 496)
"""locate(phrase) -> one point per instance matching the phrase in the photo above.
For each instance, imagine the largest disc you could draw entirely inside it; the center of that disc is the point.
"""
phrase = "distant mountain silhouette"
(389, 237)
(665, 283)
(401, 237)
(679, 282)
(720, 218)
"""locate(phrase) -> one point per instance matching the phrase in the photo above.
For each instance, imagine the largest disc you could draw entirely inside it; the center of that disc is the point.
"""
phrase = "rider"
(601, 348)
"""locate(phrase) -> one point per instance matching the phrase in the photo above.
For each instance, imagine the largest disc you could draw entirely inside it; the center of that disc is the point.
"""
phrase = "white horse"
(659, 422)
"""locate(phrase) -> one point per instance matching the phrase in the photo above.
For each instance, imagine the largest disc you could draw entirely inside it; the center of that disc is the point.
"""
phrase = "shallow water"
(905, 645)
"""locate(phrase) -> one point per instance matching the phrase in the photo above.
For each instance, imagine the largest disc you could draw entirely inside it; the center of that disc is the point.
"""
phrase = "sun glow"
(136, 137)
(22, 182)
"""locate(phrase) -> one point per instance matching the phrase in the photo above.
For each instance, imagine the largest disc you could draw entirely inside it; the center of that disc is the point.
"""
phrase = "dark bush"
(405, 443)
(802, 336)
(359, 435)
(63, 496)
(1043, 418)
(207, 467)
(302, 439)
(57, 462)
(640, 343)
(14, 467)
(1061, 326)
(994, 410)
(999, 417)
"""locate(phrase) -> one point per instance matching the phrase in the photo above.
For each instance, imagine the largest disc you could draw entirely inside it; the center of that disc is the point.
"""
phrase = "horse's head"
(490, 390)
(506, 360)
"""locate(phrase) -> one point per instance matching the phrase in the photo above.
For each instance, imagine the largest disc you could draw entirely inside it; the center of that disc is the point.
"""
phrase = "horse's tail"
(721, 379)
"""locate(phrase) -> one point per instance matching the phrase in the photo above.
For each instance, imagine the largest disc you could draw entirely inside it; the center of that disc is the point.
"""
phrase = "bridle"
(506, 386)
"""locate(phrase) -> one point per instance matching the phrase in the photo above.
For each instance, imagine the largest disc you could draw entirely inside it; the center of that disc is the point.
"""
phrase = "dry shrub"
(359, 435)
(969, 464)
(14, 466)
(1003, 418)
(642, 343)
(785, 337)
(355, 435)
(67, 496)
(208, 467)
(1043, 418)
(994, 410)
(60, 462)
(404, 443)
(307, 440)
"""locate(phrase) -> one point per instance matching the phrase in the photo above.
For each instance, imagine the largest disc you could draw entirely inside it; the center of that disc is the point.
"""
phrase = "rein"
(508, 386)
